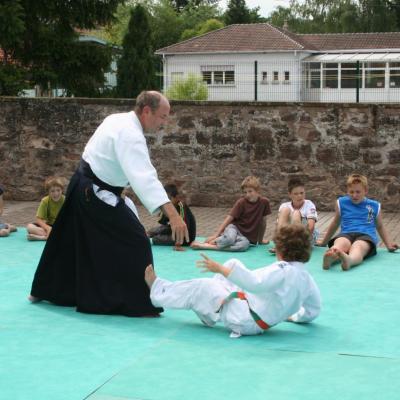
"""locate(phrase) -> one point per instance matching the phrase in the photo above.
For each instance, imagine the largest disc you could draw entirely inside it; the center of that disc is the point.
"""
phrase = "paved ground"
(22, 212)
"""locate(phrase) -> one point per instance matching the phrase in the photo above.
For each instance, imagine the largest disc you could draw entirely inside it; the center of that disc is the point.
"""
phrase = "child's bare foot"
(178, 248)
(32, 237)
(345, 260)
(149, 275)
(33, 299)
(330, 257)
(265, 242)
(272, 250)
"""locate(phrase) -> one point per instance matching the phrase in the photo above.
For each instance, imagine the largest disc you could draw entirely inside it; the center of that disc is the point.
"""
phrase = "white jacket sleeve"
(133, 156)
(311, 306)
(266, 279)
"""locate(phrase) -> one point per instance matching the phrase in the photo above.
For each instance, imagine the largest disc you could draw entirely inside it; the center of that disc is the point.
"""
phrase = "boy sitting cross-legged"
(359, 218)
(245, 224)
(248, 302)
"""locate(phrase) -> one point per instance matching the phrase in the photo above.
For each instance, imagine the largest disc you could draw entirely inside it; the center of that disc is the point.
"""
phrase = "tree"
(136, 65)
(237, 12)
(204, 27)
(191, 88)
(45, 42)
(338, 16)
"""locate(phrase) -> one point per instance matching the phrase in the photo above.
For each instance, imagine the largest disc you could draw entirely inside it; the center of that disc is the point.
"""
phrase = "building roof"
(267, 38)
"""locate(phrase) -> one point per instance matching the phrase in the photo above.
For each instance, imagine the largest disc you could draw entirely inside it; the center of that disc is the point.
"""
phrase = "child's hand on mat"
(211, 239)
(320, 243)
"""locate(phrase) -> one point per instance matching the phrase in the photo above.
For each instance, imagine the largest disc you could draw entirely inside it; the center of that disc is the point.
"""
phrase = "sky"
(266, 6)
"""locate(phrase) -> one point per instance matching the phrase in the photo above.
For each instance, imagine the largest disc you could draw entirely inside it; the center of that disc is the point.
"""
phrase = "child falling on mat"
(248, 302)
(162, 234)
(48, 210)
(245, 224)
(359, 218)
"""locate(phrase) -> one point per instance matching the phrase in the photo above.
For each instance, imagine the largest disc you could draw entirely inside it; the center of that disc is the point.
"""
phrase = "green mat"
(352, 349)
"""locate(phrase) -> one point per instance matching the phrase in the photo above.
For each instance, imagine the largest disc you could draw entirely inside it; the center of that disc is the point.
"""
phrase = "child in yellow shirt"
(47, 211)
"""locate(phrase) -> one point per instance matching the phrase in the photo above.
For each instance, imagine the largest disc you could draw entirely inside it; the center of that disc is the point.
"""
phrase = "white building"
(260, 62)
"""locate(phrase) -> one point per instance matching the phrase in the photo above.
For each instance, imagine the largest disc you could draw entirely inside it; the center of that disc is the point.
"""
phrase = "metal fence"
(309, 80)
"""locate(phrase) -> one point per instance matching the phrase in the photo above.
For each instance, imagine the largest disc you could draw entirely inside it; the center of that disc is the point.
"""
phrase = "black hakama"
(96, 254)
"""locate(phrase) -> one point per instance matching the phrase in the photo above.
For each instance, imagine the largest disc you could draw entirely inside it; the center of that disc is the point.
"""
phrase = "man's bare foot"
(149, 275)
(33, 299)
(330, 257)
(345, 260)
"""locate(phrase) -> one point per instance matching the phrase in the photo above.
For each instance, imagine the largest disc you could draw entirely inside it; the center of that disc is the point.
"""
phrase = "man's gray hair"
(151, 99)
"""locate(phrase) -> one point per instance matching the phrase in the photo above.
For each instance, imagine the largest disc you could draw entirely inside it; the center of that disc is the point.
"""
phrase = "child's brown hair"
(53, 181)
(357, 178)
(293, 242)
(251, 182)
(293, 183)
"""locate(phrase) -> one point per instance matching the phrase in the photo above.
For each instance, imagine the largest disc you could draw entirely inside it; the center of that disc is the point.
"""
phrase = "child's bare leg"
(341, 245)
(358, 250)
(296, 217)
(149, 275)
(283, 217)
(35, 230)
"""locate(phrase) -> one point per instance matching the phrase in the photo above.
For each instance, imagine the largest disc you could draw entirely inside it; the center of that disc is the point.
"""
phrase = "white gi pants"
(204, 296)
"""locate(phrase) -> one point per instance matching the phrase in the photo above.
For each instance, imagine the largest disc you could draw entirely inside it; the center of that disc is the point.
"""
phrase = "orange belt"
(242, 296)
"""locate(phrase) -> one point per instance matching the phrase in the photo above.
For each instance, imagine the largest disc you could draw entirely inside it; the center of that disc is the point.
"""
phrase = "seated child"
(245, 224)
(248, 302)
(162, 234)
(298, 210)
(359, 218)
(5, 228)
(48, 210)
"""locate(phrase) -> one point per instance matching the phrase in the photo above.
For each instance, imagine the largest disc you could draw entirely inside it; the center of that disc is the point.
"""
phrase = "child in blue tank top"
(359, 218)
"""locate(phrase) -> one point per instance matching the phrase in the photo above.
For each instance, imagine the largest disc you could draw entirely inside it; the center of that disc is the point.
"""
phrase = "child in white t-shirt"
(298, 209)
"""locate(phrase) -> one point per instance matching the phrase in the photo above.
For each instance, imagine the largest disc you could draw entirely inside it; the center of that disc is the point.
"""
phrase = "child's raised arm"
(383, 233)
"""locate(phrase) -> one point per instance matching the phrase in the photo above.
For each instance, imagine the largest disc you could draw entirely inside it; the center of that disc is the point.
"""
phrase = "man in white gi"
(98, 250)
(248, 302)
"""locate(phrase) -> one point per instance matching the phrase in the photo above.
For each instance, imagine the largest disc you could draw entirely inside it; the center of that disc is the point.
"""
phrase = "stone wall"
(208, 148)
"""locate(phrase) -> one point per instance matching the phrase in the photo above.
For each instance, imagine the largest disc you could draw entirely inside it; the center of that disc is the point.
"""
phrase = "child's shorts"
(3, 226)
(353, 236)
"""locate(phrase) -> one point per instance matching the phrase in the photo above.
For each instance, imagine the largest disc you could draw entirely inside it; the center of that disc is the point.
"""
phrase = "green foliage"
(191, 88)
(11, 80)
(237, 12)
(136, 65)
(339, 16)
(201, 29)
(40, 38)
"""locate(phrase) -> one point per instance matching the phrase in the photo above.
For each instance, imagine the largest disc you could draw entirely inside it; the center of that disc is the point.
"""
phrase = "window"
(287, 76)
(276, 77)
(330, 75)
(394, 75)
(218, 74)
(315, 75)
(348, 78)
(264, 77)
(374, 75)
